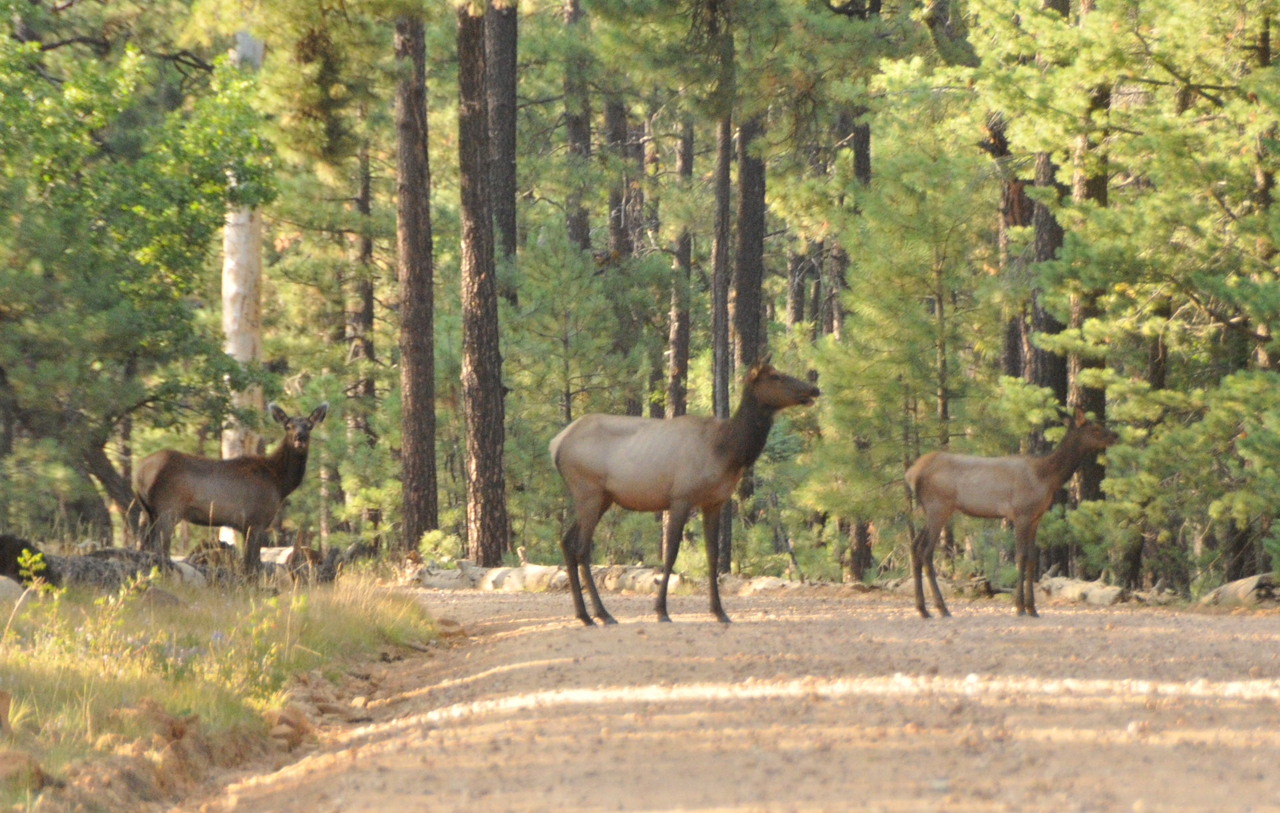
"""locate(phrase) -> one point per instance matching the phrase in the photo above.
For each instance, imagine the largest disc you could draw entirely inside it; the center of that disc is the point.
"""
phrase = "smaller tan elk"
(674, 465)
(1018, 488)
(243, 493)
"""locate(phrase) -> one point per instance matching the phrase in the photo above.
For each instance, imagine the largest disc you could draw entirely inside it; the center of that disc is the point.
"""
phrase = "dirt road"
(808, 704)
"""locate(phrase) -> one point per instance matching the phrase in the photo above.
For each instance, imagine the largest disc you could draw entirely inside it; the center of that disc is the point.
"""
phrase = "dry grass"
(71, 659)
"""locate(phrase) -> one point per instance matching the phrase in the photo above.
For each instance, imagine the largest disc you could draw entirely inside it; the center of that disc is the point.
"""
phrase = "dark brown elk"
(1018, 488)
(675, 465)
(243, 493)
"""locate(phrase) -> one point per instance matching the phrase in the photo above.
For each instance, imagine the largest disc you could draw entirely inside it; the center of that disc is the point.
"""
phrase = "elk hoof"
(664, 618)
(924, 614)
(586, 621)
(944, 613)
(607, 619)
(722, 618)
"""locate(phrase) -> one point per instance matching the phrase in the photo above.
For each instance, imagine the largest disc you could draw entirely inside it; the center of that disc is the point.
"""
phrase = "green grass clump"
(70, 658)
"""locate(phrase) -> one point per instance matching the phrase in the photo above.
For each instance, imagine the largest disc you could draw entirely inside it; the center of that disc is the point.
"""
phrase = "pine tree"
(416, 271)
(482, 388)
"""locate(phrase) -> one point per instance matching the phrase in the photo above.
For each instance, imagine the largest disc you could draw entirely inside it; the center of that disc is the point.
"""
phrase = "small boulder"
(448, 628)
(158, 599)
(188, 574)
(1244, 592)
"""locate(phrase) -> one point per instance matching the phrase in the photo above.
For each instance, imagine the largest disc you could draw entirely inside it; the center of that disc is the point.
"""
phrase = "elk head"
(297, 431)
(775, 389)
(1093, 436)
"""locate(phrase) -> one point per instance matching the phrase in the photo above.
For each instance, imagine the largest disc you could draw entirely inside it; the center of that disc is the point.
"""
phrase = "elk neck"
(741, 439)
(1056, 468)
(289, 466)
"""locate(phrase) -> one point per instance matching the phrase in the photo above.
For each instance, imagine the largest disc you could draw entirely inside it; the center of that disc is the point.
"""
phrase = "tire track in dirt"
(808, 704)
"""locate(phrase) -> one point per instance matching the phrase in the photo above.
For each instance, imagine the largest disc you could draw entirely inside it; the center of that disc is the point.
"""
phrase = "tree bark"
(1088, 186)
(415, 267)
(860, 559)
(482, 390)
(577, 122)
(242, 287)
(681, 279)
(616, 131)
(621, 247)
(501, 40)
(119, 490)
(1043, 368)
(748, 274)
(359, 313)
(720, 358)
(1015, 212)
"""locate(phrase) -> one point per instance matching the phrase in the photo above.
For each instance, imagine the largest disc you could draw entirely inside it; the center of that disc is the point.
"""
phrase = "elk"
(243, 493)
(1018, 488)
(674, 464)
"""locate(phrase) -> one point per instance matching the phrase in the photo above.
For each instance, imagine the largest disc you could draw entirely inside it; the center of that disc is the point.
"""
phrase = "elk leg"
(253, 549)
(677, 516)
(586, 530)
(596, 603)
(165, 528)
(1033, 565)
(1020, 560)
(918, 546)
(933, 582)
(711, 529)
(569, 547)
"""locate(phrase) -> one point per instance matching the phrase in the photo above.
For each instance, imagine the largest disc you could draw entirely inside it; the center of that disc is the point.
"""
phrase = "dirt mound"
(173, 756)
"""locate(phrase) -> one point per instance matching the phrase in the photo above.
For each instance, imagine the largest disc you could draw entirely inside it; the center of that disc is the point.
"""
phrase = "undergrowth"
(70, 658)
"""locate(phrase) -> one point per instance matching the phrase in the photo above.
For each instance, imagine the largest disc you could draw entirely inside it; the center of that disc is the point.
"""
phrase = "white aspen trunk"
(242, 314)
(242, 293)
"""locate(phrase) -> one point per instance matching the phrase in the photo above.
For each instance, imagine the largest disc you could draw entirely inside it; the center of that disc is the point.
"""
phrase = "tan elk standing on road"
(1018, 488)
(674, 465)
(243, 493)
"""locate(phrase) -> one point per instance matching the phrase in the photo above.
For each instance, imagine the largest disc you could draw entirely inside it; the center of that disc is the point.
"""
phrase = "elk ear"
(757, 367)
(317, 414)
(1079, 419)
(280, 416)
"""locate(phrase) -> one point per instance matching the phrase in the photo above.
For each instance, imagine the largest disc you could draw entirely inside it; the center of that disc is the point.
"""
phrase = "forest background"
(959, 216)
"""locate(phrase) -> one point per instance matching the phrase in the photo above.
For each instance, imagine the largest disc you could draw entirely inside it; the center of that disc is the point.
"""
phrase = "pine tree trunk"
(415, 266)
(679, 319)
(720, 358)
(501, 39)
(1043, 368)
(359, 316)
(797, 265)
(681, 279)
(577, 125)
(1015, 212)
(616, 131)
(860, 559)
(482, 390)
(1088, 186)
(748, 276)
